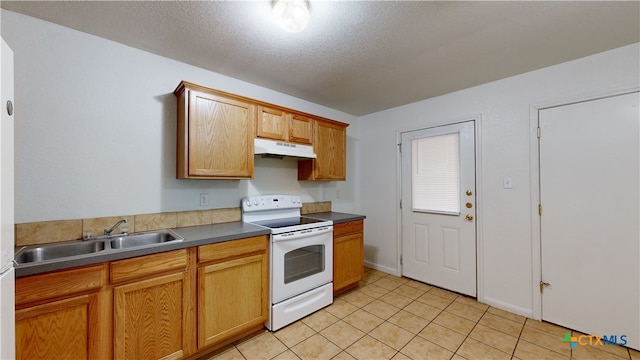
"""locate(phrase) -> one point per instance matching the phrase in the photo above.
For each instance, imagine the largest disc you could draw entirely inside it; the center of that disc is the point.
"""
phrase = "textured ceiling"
(358, 56)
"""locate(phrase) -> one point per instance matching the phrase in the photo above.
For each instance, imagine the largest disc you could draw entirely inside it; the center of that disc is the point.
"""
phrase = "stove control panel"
(270, 202)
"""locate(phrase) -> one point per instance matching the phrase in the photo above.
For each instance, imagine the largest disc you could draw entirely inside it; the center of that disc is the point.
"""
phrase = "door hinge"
(543, 284)
(540, 209)
(539, 132)
(400, 147)
(400, 259)
(400, 203)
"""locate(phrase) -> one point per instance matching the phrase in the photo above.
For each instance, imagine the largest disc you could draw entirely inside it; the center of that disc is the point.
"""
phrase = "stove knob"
(255, 202)
(247, 203)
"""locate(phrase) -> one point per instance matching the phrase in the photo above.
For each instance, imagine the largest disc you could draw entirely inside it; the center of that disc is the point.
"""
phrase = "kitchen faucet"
(109, 231)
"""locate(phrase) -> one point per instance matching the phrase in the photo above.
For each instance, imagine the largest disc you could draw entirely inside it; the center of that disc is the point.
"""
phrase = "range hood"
(280, 149)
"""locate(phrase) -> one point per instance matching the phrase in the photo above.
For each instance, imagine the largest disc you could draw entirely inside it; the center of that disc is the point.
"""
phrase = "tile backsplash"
(45, 232)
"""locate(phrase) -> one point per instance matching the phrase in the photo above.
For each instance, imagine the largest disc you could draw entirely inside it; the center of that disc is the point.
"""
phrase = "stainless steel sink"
(94, 246)
(143, 239)
(57, 251)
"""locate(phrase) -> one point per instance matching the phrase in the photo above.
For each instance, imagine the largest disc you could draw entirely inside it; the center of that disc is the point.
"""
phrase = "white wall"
(505, 216)
(96, 129)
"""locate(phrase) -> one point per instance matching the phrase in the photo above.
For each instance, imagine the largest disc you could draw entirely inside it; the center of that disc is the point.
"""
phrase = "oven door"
(300, 261)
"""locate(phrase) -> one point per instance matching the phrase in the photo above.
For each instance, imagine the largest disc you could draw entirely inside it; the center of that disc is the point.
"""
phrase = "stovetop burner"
(287, 222)
(279, 213)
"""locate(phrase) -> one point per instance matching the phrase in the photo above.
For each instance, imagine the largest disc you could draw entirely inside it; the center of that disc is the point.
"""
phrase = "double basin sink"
(35, 254)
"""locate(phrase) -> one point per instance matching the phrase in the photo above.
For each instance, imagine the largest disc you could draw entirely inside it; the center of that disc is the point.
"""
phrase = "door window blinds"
(435, 174)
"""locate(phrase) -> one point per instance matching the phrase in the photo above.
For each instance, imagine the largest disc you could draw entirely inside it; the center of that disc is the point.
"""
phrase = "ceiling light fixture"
(291, 15)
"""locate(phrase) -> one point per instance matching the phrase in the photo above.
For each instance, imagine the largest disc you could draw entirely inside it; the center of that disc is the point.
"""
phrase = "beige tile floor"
(388, 317)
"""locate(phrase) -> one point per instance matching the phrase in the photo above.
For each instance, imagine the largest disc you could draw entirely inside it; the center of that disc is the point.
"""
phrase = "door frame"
(477, 119)
(534, 162)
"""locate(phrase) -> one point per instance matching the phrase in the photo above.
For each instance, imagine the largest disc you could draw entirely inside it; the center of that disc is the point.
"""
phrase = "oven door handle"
(295, 235)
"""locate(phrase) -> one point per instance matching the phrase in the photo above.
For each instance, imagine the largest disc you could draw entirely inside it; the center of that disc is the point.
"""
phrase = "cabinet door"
(330, 145)
(221, 132)
(348, 267)
(55, 330)
(272, 123)
(232, 298)
(149, 321)
(63, 315)
(331, 149)
(301, 129)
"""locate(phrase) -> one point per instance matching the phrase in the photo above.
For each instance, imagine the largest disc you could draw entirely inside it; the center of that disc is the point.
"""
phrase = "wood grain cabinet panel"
(215, 134)
(278, 124)
(61, 315)
(57, 330)
(348, 255)
(149, 322)
(273, 124)
(233, 291)
(330, 145)
(152, 306)
(301, 129)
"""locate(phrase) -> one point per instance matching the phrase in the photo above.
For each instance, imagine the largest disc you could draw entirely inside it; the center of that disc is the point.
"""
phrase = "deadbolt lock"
(469, 205)
(469, 193)
(469, 217)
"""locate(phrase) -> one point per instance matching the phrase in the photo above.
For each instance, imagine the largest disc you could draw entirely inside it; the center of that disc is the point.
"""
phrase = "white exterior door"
(590, 222)
(438, 206)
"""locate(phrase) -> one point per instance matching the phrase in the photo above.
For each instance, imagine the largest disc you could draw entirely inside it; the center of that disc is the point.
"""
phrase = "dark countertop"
(336, 217)
(193, 236)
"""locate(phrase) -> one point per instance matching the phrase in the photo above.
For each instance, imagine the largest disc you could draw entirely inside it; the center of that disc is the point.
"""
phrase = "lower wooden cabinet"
(59, 315)
(232, 289)
(348, 255)
(151, 309)
(169, 305)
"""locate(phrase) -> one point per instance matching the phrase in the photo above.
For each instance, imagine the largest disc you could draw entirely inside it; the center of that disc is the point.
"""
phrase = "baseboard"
(507, 307)
(388, 270)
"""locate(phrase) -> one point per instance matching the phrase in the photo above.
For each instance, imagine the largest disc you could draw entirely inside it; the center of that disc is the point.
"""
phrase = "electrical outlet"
(204, 199)
(506, 182)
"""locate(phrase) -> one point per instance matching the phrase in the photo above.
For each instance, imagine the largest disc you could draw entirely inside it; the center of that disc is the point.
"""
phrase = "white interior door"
(438, 206)
(590, 223)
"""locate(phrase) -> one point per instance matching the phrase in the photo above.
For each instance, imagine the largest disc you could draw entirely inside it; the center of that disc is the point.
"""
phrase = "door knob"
(469, 205)
(469, 217)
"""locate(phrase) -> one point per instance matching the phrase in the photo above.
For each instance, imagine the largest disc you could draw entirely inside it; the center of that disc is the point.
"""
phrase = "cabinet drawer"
(123, 270)
(347, 228)
(60, 283)
(232, 248)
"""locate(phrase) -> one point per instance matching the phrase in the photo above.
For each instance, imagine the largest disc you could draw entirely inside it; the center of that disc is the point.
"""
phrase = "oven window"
(303, 262)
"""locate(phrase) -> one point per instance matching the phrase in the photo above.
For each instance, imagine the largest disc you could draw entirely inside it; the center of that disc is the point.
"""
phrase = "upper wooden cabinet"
(215, 134)
(278, 124)
(330, 145)
(301, 130)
